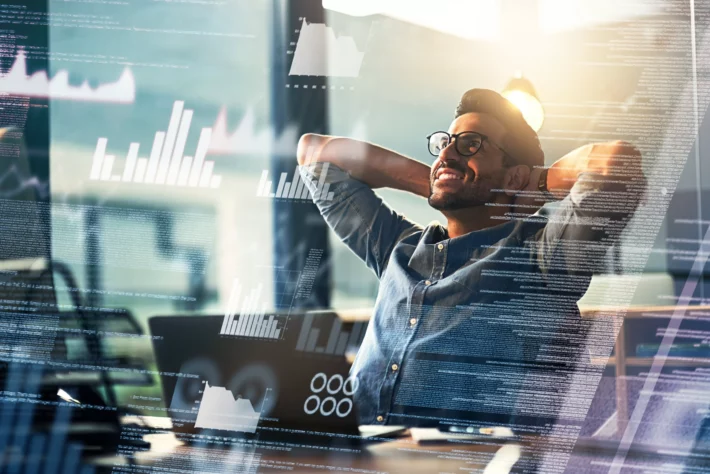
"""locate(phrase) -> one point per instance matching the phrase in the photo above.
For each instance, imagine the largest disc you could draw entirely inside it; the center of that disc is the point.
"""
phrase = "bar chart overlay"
(246, 315)
(295, 189)
(166, 164)
(313, 339)
(219, 410)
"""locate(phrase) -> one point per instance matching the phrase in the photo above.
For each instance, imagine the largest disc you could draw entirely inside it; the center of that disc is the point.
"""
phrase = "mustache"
(452, 165)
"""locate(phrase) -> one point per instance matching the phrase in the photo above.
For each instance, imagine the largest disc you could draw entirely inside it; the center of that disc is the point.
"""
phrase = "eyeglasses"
(466, 143)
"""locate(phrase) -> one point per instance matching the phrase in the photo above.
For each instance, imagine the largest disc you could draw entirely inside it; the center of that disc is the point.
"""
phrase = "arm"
(602, 185)
(616, 160)
(350, 169)
(375, 166)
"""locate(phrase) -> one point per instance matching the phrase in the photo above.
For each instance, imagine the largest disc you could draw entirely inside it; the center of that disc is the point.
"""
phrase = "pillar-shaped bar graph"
(246, 315)
(296, 188)
(338, 339)
(166, 164)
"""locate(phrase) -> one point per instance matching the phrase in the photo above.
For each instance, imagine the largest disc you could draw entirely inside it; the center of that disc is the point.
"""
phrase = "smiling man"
(476, 322)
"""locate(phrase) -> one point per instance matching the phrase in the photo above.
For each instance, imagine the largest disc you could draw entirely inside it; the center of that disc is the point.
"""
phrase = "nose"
(449, 153)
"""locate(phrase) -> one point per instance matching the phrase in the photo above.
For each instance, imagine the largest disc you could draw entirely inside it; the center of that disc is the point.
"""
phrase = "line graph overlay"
(13, 183)
(320, 52)
(245, 139)
(17, 82)
(219, 410)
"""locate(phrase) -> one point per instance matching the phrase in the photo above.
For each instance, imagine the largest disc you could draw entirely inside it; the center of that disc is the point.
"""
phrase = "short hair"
(521, 142)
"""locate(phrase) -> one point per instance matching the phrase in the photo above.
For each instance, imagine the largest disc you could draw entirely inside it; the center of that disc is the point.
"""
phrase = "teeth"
(449, 176)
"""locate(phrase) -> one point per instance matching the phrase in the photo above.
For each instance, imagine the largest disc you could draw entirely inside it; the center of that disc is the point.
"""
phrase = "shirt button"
(380, 418)
(440, 246)
(413, 321)
(395, 367)
(427, 283)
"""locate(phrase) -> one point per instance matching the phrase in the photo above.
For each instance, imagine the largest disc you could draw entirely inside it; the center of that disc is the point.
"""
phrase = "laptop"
(262, 375)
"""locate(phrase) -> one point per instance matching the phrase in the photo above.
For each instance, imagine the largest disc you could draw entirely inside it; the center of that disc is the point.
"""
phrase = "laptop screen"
(257, 373)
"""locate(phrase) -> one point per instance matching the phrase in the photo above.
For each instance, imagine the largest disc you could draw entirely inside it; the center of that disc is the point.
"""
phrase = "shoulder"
(531, 227)
(431, 232)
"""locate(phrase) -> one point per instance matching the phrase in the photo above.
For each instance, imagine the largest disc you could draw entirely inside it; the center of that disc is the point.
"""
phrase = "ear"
(516, 179)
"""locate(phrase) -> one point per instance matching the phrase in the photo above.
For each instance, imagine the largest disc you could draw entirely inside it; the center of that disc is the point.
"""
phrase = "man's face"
(457, 181)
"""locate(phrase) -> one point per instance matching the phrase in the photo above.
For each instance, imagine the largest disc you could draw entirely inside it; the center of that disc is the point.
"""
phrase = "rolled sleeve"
(585, 224)
(358, 216)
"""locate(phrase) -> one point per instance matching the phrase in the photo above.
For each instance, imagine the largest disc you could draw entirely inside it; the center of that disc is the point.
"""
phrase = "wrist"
(423, 189)
(417, 185)
(416, 180)
(560, 181)
(542, 186)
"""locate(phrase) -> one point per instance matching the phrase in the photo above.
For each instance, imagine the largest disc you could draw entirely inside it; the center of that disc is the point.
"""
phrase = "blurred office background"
(157, 250)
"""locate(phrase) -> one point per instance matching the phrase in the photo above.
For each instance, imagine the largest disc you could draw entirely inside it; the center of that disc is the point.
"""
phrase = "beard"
(479, 192)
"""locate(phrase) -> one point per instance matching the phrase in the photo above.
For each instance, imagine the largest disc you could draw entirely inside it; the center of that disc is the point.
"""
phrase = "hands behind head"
(617, 161)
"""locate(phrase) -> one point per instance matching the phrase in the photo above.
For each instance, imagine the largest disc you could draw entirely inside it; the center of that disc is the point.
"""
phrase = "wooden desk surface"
(636, 312)
(630, 312)
(402, 455)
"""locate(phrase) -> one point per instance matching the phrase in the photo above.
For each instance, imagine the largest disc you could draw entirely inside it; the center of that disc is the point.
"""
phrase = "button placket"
(386, 396)
(439, 261)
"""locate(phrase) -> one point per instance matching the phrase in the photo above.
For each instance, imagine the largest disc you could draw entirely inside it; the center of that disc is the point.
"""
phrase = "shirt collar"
(436, 233)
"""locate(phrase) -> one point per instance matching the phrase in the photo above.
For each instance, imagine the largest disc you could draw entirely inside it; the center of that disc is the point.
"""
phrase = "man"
(476, 321)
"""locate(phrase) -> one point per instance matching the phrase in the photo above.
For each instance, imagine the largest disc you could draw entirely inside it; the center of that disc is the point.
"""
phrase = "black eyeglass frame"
(455, 137)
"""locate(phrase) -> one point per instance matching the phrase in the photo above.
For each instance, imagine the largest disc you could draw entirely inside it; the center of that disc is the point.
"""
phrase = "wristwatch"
(542, 185)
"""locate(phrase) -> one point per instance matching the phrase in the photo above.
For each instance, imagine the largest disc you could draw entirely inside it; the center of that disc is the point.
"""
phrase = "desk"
(621, 361)
(397, 456)
(402, 455)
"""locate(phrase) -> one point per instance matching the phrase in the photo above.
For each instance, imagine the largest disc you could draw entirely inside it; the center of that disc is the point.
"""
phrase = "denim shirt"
(480, 328)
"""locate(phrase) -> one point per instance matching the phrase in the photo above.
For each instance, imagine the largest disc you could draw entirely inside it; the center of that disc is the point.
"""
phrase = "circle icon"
(338, 410)
(254, 382)
(310, 411)
(351, 385)
(339, 379)
(332, 404)
(317, 377)
(333, 385)
(187, 390)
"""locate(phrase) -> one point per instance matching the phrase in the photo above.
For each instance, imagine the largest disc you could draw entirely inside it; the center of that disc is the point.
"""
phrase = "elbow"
(626, 148)
(620, 155)
(633, 160)
(628, 163)
(302, 148)
(309, 147)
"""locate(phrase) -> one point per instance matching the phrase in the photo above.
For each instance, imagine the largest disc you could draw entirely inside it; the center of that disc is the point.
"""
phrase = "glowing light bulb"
(530, 107)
